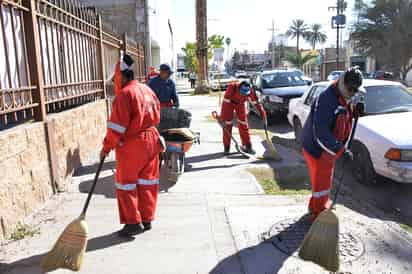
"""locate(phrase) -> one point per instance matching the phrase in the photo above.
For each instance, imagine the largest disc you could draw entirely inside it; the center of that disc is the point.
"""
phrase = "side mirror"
(309, 83)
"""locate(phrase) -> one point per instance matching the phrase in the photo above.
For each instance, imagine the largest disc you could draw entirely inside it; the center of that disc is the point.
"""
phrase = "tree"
(190, 58)
(296, 30)
(298, 60)
(316, 35)
(384, 31)
(216, 41)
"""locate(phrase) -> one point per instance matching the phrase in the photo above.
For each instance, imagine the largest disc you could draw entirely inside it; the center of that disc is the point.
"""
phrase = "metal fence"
(55, 55)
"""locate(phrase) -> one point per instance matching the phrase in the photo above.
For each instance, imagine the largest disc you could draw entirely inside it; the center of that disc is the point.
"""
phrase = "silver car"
(383, 140)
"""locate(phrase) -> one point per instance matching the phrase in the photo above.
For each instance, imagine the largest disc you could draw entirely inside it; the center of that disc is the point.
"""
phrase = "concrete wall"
(26, 181)
(160, 13)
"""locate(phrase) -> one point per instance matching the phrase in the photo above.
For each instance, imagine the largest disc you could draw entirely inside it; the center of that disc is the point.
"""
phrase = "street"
(216, 219)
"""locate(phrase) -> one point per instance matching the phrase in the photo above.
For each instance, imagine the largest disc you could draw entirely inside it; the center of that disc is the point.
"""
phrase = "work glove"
(348, 156)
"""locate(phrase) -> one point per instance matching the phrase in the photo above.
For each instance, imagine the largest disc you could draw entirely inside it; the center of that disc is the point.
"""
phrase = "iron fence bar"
(35, 62)
(96, 91)
(14, 4)
(74, 17)
(101, 57)
(15, 109)
(48, 18)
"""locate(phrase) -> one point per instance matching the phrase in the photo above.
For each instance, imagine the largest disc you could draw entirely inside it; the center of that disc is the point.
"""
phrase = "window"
(313, 94)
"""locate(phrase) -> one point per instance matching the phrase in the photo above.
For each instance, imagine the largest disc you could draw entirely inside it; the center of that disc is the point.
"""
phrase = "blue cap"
(166, 67)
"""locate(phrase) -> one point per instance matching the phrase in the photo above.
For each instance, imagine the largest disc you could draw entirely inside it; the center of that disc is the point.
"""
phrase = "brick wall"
(26, 179)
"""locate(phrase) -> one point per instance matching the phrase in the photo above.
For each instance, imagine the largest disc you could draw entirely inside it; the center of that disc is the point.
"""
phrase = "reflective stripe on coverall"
(132, 133)
(235, 102)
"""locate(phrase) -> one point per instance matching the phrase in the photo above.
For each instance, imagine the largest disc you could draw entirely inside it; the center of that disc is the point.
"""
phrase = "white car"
(383, 139)
(220, 81)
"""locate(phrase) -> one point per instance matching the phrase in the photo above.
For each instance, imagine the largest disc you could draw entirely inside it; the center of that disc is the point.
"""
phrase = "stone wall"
(26, 177)
(78, 135)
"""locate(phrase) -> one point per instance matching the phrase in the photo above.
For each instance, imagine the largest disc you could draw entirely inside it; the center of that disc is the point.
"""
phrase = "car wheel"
(297, 128)
(362, 167)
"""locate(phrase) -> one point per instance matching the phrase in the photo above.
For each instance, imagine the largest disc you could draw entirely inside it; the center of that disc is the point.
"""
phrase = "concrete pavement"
(212, 221)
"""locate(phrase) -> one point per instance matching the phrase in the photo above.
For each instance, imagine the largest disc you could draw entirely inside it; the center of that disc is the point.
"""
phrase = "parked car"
(334, 75)
(382, 75)
(220, 81)
(276, 87)
(383, 140)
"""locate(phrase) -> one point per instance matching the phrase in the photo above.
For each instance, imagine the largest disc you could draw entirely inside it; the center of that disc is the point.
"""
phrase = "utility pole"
(273, 44)
(202, 47)
(339, 22)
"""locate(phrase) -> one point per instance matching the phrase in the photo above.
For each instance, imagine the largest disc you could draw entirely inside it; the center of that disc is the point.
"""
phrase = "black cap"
(353, 79)
(166, 67)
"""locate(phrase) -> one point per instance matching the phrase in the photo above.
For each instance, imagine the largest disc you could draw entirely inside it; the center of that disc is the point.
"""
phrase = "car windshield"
(282, 79)
(221, 76)
(387, 99)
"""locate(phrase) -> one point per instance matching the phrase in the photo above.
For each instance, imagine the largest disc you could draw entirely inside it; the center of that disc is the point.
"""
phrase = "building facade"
(142, 19)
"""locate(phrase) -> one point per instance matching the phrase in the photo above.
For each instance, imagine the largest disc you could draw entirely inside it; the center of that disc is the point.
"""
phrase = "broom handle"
(220, 122)
(344, 163)
(89, 196)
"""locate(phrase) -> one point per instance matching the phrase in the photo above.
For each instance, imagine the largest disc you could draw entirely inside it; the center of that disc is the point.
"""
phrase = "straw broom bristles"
(321, 243)
(69, 249)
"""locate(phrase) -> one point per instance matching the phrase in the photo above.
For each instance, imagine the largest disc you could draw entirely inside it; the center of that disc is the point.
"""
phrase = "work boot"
(147, 226)
(226, 152)
(130, 230)
(248, 149)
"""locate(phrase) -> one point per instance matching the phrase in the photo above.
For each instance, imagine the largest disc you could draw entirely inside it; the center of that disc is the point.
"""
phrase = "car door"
(314, 93)
(305, 107)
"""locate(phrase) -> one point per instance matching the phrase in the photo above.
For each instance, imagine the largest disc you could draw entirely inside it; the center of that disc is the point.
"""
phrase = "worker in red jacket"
(132, 133)
(152, 74)
(235, 100)
(326, 135)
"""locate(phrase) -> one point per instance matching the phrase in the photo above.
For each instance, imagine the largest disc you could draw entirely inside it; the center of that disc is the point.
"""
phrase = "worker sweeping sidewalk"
(133, 135)
(327, 135)
(236, 97)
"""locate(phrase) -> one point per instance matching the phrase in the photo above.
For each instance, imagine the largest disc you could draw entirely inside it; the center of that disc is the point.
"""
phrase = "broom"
(321, 243)
(69, 249)
(275, 154)
(221, 124)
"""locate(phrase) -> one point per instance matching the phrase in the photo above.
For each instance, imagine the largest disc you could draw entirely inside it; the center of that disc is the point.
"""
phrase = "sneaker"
(226, 151)
(147, 226)
(130, 230)
(248, 149)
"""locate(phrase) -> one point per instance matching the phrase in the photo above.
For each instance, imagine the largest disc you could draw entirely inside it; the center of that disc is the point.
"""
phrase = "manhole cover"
(287, 235)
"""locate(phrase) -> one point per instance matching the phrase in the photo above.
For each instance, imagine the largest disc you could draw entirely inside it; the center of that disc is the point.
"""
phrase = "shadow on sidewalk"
(91, 169)
(264, 258)
(31, 265)
(105, 186)
(106, 241)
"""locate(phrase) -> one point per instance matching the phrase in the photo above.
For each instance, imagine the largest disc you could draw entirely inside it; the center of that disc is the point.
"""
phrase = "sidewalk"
(215, 220)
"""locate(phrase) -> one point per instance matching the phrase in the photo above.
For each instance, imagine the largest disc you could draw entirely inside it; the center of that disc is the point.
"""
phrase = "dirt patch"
(283, 181)
(289, 143)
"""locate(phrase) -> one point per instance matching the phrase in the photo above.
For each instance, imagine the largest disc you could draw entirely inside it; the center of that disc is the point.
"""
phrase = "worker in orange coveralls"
(152, 74)
(132, 133)
(326, 135)
(235, 100)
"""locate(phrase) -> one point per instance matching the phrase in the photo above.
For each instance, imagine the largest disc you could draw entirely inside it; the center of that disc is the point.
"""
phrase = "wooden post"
(32, 36)
(102, 69)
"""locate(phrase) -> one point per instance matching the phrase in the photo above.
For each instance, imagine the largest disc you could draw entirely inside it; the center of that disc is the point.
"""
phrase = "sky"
(247, 22)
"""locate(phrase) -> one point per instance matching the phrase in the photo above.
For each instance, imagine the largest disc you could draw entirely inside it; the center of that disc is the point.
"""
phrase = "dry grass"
(285, 181)
(22, 231)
